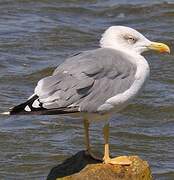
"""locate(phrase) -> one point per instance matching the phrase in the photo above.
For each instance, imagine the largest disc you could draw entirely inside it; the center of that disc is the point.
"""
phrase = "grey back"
(87, 80)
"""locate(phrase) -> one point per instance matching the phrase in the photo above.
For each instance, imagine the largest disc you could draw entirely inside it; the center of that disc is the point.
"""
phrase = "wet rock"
(82, 167)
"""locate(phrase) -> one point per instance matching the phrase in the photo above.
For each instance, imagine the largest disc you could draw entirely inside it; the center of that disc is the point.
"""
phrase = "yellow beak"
(161, 47)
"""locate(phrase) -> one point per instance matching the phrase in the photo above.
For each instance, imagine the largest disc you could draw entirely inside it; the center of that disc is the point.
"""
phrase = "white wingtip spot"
(36, 104)
(27, 108)
(5, 113)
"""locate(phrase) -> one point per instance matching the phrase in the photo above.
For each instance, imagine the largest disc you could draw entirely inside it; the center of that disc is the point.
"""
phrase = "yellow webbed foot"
(121, 160)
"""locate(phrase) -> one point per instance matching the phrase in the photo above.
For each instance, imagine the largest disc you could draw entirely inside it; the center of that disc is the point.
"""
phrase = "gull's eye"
(130, 39)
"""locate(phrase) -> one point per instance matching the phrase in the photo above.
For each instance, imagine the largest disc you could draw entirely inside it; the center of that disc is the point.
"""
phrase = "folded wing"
(82, 83)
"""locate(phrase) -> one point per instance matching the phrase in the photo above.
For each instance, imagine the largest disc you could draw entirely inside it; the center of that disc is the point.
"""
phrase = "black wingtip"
(20, 109)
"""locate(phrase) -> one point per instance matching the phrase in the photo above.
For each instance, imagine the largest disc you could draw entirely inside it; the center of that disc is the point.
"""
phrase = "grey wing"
(86, 81)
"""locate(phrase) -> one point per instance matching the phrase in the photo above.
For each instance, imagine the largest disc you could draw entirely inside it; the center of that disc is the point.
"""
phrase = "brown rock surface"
(83, 167)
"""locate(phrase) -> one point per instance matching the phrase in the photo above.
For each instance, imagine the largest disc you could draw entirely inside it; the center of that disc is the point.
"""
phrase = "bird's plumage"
(84, 82)
(96, 83)
(100, 81)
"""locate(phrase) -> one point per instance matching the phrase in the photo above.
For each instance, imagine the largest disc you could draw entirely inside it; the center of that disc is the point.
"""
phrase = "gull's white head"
(129, 40)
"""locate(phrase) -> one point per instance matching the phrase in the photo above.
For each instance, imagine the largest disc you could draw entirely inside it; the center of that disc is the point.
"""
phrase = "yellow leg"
(87, 141)
(122, 160)
(86, 127)
(106, 157)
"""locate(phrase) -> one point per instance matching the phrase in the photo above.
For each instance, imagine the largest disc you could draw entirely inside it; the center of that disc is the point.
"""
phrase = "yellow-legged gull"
(97, 83)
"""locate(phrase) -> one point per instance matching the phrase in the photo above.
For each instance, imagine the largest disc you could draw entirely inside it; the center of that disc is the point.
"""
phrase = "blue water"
(36, 36)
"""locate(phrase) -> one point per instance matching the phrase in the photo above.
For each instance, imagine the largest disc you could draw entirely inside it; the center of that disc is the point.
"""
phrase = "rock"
(83, 167)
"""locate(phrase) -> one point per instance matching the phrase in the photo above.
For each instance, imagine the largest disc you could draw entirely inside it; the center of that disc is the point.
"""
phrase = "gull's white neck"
(128, 51)
(134, 57)
(124, 50)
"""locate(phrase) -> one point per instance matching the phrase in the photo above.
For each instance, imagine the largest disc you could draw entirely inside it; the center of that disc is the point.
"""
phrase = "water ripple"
(35, 37)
